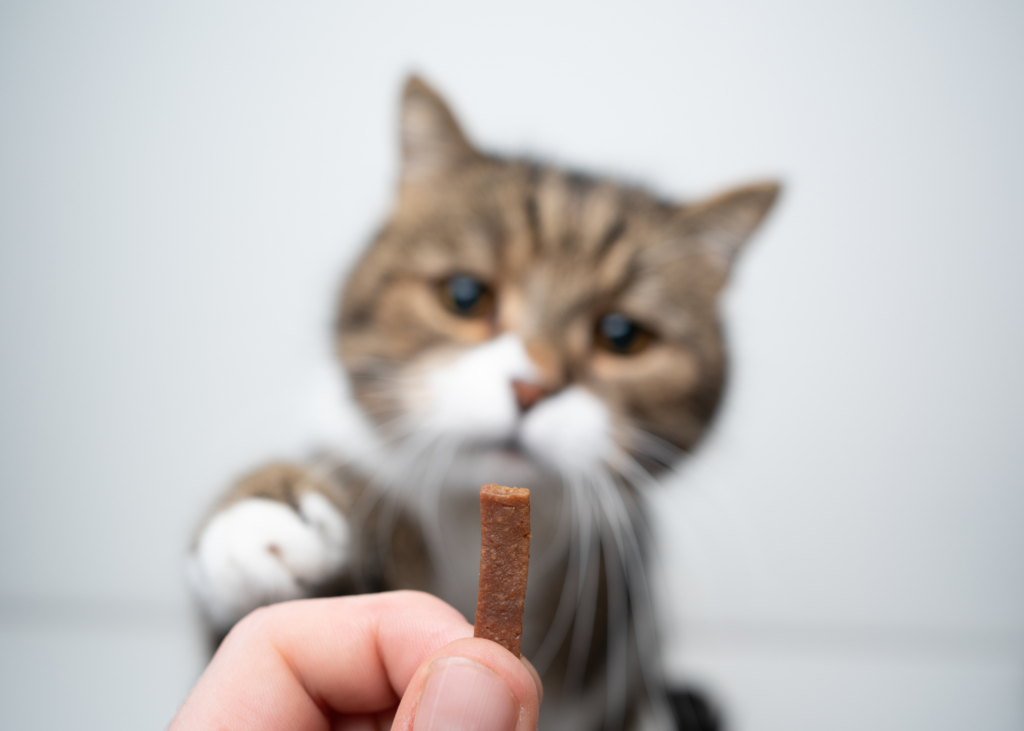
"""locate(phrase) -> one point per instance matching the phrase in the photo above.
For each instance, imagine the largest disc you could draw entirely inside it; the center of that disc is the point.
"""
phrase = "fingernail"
(462, 695)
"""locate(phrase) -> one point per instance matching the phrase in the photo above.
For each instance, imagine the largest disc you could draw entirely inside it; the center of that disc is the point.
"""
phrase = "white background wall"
(182, 187)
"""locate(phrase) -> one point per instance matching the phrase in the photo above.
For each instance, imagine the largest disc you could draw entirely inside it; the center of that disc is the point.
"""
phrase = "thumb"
(471, 685)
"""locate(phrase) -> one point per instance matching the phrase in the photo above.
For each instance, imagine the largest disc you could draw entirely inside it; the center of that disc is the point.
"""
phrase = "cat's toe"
(261, 551)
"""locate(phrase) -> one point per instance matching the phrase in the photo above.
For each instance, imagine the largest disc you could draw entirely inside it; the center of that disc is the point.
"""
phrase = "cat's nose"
(527, 394)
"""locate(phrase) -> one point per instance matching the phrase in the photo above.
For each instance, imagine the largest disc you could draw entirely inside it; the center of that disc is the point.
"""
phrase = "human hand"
(400, 660)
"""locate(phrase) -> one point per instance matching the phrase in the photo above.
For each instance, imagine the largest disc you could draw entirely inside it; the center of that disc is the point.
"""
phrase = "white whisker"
(433, 481)
(613, 551)
(387, 486)
(587, 593)
(568, 599)
(644, 619)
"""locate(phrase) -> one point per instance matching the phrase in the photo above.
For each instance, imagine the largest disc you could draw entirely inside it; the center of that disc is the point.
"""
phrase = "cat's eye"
(619, 334)
(466, 296)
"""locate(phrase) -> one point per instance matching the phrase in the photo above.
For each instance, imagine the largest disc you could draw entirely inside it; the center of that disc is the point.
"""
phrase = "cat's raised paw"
(260, 551)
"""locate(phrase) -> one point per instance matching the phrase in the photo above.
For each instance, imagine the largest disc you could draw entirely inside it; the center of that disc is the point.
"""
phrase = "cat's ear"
(722, 224)
(433, 144)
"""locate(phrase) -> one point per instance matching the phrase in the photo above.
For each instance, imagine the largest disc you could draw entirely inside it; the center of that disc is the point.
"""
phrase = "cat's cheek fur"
(570, 431)
(260, 551)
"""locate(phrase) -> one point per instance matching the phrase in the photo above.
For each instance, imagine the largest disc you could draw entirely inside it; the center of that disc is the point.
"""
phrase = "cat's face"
(511, 306)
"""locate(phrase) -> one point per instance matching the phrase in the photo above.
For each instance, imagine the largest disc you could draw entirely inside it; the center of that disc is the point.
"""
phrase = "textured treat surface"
(504, 561)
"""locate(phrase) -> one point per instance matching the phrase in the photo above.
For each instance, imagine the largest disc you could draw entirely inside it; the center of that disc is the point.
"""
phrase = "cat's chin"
(506, 463)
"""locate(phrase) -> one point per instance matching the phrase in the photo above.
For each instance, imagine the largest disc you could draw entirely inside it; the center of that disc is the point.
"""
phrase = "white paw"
(260, 551)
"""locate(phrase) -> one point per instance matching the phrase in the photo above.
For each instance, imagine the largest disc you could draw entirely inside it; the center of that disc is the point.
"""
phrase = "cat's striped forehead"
(559, 241)
(576, 213)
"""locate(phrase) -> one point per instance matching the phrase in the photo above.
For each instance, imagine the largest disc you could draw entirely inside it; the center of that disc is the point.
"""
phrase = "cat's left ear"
(433, 144)
(721, 225)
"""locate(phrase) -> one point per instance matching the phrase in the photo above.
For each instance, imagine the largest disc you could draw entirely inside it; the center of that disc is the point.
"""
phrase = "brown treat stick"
(504, 560)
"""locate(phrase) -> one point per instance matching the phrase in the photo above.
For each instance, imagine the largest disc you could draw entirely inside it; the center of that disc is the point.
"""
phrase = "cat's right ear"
(433, 144)
(721, 225)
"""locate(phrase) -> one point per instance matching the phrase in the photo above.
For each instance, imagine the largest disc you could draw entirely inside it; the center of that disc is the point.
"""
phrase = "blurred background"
(184, 185)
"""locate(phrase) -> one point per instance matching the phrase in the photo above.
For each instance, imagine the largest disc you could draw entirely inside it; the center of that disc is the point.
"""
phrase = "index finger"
(295, 665)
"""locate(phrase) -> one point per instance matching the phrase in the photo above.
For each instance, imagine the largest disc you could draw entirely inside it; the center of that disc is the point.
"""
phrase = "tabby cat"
(517, 323)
